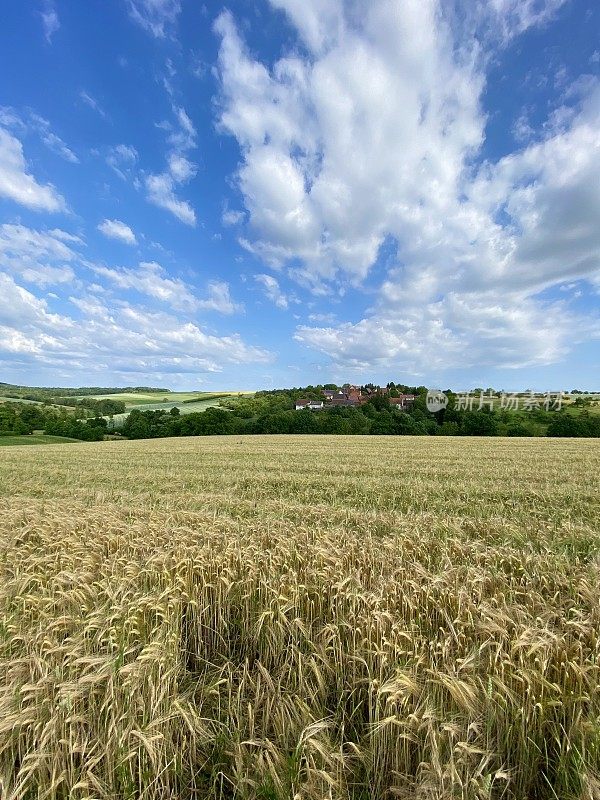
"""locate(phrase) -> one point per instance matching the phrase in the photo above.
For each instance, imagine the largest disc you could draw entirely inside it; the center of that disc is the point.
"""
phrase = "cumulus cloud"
(161, 188)
(151, 279)
(17, 184)
(231, 217)
(272, 290)
(219, 299)
(469, 330)
(115, 229)
(157, 17)
(337, 147)
(181, 168)
(371, 132)
(161, 192)
(122, 337)
(40, 257)
(26, 324)
(470, 289)
(327, 317)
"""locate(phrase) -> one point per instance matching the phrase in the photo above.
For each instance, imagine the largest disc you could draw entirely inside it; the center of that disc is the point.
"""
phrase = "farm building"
(403, 401)
(313, 405)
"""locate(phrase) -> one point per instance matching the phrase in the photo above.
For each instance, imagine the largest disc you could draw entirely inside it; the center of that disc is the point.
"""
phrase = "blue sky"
(281, 192)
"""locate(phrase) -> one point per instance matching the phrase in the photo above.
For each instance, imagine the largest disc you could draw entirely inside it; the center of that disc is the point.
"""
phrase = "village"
(351, 396)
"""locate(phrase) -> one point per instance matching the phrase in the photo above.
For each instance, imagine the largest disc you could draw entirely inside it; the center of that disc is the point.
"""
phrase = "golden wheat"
(299, 617)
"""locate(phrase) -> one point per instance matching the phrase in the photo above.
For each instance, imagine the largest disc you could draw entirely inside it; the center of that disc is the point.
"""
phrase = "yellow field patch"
(300, 617)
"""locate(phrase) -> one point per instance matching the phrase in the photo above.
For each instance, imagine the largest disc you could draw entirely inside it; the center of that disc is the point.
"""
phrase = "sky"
(272, 193)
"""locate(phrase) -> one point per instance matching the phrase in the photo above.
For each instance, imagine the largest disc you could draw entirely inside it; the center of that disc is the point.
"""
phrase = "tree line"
(273, 413)
(53, 394)
(105, 407)
(20, 419)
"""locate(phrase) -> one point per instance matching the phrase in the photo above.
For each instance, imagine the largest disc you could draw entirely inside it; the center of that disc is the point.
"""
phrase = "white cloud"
(219, 299)
(469, 292)
(34, 122)
(40, 257)
(393, 92)
(10, 119)
(50, 20)
(92, 103)
(522, 129)
(51, 140)
(372, 133)
(121, 159)
(184, 137)
(161, 188)
(155, 16)
(115, 229)
(465, 330)
(17, 184)
(181, 168)
(150, 279)
(26, 325)
(232, 217)
(55, 143)
(509, 18)
(320, 24)
(161, 192)
(119, 338)
(328, 317)
(272, 290)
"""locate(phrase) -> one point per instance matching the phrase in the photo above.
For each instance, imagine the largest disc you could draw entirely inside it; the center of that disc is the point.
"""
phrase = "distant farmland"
(31, 439)
(186, 402)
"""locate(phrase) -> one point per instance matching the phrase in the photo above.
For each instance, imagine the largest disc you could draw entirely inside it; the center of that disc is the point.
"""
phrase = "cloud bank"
(368, 132)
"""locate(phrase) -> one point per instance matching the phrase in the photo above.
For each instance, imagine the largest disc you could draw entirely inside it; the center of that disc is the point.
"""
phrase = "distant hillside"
(51, 392)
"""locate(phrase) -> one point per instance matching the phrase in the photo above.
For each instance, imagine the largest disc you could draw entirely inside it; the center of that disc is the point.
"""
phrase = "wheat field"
(300, 617)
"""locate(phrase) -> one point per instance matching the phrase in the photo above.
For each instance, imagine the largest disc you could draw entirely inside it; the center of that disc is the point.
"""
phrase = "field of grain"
(301, 617)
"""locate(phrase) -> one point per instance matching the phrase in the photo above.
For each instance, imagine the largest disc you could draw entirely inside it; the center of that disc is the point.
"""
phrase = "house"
(351, 396)
(403, 401)
(312, 405)
(345, 401)
(372, 391)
